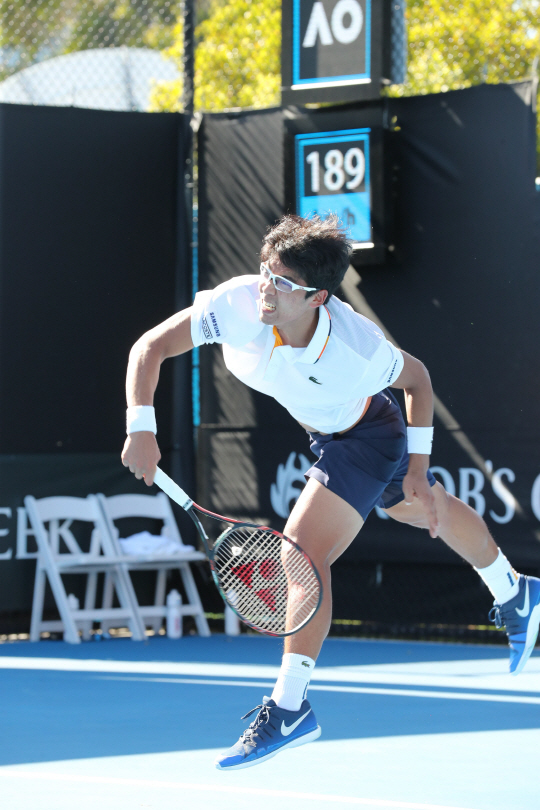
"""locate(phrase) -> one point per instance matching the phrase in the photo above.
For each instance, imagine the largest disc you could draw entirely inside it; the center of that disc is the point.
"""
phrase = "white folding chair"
(59, 553)
(155, 507)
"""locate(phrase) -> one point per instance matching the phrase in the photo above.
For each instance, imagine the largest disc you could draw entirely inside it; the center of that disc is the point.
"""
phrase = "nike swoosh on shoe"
(286, 730)
(526, 605)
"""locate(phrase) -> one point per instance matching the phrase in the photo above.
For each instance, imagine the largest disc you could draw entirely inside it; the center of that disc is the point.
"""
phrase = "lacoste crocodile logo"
(315, 381)
(305, 664)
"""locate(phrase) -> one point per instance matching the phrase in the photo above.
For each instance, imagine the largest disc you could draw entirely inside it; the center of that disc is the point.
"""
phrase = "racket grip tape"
(172, 489)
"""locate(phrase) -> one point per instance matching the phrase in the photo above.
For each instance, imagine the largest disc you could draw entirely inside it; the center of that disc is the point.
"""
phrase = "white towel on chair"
(146, 543)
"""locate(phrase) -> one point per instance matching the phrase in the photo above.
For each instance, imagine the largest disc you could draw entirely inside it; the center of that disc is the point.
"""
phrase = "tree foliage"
(459, 44)
(237, 60)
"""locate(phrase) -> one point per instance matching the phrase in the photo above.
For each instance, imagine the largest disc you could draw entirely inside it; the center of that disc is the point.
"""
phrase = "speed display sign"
(333, 176)
(334, 165)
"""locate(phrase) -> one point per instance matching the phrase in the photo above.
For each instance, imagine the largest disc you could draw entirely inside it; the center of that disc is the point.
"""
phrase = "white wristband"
(419, 440)
(140, 417)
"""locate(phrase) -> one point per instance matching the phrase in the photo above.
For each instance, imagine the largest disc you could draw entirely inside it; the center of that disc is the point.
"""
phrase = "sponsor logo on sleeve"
(206, 329)
(392, 372)
(215, 324)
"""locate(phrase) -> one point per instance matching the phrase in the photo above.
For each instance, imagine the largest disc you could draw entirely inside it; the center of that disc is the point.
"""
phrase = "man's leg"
(517, 598)
(323, 525)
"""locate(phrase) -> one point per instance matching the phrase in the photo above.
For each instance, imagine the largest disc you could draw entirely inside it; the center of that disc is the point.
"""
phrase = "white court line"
(278, 794)
(444, 675)
(361, 690)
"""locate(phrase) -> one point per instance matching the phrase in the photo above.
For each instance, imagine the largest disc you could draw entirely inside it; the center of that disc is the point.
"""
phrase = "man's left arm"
(416, 384)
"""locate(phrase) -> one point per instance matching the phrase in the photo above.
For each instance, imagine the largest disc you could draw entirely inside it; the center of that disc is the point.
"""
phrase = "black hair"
(317, 249)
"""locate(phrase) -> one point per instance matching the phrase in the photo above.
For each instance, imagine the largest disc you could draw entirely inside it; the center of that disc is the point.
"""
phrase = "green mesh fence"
(100, 54)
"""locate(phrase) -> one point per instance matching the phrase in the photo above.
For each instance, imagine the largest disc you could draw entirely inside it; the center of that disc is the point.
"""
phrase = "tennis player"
(284, 333)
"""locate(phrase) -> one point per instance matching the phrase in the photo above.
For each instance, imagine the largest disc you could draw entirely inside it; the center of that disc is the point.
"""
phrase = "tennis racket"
(269, 582)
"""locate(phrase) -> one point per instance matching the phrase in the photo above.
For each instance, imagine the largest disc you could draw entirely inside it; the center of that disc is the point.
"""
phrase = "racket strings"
(266, 578)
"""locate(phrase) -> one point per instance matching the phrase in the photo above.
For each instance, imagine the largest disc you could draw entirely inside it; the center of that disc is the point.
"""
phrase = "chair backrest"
(59, 513)
(155, 507)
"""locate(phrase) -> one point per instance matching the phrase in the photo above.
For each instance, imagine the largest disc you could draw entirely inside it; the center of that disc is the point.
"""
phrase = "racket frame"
(178, 495)
(222, 537)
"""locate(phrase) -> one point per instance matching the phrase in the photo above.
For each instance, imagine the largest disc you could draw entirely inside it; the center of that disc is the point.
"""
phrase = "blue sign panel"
(332, 176)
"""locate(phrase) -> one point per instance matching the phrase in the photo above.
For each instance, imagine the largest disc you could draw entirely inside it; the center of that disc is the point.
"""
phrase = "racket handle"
(172, 489)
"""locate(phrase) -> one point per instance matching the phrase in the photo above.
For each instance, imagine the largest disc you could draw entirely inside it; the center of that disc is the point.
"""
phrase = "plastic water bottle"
(73, 604)
(232, 622)
(174, 614)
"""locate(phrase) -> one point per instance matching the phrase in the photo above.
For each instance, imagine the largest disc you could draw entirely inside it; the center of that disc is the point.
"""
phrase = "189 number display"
(338, 167)
(332, 175)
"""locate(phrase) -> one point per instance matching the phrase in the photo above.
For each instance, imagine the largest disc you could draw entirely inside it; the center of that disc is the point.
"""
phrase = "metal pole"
(183, 456)
(188, 59)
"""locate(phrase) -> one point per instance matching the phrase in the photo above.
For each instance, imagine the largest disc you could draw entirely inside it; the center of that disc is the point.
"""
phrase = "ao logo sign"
(346, 23)
(331, 41)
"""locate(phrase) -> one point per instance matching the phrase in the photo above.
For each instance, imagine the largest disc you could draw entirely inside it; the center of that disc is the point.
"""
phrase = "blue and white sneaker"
(521, 617)
(272, 730)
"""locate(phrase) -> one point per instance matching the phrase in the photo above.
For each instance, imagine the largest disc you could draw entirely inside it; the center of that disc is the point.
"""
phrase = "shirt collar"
(316, 347)
(318, 343)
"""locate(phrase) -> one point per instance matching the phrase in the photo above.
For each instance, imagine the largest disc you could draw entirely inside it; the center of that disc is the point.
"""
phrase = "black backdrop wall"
(93, 252)
(460, 291)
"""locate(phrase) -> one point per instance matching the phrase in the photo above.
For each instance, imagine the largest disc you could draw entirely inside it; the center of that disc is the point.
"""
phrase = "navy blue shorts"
(366, 465)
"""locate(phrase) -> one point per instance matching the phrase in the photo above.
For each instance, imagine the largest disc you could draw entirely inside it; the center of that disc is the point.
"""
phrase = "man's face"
(278, 308)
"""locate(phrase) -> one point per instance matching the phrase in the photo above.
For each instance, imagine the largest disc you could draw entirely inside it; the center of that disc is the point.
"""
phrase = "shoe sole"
(530, 641)
(305, 738)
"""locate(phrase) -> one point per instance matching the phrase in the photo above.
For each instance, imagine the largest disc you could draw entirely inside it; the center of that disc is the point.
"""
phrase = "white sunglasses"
(283, 284)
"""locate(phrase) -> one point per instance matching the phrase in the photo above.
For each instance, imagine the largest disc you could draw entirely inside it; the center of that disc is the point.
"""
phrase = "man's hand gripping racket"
(269, 582)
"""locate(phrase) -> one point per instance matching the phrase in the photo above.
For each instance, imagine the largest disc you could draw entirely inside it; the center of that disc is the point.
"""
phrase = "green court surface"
(120, 725)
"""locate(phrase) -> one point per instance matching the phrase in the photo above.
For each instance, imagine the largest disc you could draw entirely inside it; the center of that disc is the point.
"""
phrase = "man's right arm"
(168, 339)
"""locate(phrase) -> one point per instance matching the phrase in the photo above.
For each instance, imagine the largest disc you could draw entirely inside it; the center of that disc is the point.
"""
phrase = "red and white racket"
(269, 582)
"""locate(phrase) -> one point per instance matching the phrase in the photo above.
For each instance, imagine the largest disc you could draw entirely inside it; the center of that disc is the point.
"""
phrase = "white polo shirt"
(324, 385)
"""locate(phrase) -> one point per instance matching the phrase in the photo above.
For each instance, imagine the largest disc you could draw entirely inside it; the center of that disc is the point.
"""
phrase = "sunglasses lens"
(283, 285)
(280, 284)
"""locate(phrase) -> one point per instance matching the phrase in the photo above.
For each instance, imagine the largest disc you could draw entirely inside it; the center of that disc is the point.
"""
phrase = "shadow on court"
(56, 714)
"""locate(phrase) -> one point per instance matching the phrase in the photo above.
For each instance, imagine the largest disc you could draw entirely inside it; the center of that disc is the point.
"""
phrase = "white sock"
(500, 578)
(292, 683)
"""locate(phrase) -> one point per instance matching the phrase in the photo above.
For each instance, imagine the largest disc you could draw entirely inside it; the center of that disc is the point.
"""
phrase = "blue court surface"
(120, 725)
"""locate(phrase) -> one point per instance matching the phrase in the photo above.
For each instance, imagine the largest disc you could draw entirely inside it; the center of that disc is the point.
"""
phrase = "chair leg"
(107, 600)
(128, 600)
(37, 603)
(159, 597)
(89, 603)
(194, 599)
(70, 628)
